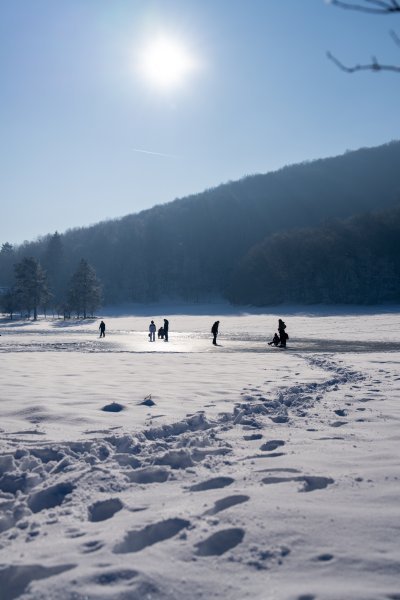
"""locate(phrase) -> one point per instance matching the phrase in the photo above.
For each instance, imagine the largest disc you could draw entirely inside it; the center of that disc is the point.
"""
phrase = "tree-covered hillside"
(190, 248)
(356, 261)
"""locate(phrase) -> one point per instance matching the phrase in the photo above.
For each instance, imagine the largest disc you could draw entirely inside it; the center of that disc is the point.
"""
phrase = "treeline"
(356, 261)
(32, 289)
(190, 249)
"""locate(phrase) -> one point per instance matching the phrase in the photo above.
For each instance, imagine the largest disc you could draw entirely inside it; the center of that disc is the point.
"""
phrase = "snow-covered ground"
(256, 473)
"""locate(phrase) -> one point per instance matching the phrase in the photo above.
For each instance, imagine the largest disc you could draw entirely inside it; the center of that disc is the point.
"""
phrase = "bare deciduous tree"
(376, 7)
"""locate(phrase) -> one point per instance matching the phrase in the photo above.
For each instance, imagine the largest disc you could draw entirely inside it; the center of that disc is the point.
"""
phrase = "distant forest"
(321, 231)
(356, 261)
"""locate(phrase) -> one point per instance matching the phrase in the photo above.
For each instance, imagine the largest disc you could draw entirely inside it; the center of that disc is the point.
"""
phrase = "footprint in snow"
(149, 475)
(341, 412)
(253, 436)
(139, 539)
(272, 455)
(272, 445)
(338, 423)
(280, 419)
(211, 484)
(147, 402)
(176, 459)
(269, 455)
(325, 557)
(74, 533)
(15, 579)
(273, 479)
(125, 460)
(10, 483)
(49, 497)
(113, 407)
(113, 577)
(278, 470)
(92, 546)
(104, 509)
(220, 542)
(227, 502)
(314, 482)
(310, 482)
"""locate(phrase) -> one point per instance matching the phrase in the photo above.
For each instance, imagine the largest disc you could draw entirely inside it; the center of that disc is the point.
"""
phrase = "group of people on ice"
(277, 340)
(162, 331)
(280, 340)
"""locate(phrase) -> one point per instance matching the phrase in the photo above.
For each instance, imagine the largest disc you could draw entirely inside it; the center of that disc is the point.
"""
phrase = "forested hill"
(352, 261)
(189, 248)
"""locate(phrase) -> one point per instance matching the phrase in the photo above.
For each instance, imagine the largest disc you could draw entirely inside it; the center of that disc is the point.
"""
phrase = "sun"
(165, 62)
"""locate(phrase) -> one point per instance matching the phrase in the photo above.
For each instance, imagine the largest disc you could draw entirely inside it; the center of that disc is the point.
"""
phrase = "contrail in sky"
(154, 153)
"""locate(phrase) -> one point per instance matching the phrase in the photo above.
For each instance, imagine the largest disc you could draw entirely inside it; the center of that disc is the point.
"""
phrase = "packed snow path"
(286, 487)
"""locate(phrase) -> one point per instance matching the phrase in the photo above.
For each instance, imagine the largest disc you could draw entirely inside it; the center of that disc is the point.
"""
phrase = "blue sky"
(75, 110)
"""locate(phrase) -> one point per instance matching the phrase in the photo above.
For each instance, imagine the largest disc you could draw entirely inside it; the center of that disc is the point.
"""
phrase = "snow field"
(256, 474)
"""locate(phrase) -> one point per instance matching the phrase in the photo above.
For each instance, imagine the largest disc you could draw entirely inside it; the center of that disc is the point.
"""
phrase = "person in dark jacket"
(102, 328)
(214, 331)
(275, 340)
(283, 336)
(166, 327)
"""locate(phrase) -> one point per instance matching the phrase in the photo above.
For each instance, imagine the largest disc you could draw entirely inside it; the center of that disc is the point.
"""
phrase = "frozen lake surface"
(257, 473)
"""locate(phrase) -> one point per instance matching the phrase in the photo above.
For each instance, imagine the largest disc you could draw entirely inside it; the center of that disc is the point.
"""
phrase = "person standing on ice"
(283, 336)
(102, 328)
(214, 331)
(152, 332)
(166, 327)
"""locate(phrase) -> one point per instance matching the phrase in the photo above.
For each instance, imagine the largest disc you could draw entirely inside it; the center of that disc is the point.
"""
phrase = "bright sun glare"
(165, 62)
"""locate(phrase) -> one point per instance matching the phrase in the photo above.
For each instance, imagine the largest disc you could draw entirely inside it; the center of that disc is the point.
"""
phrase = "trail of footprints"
(221, 541)
(218, 542)
(165, 453)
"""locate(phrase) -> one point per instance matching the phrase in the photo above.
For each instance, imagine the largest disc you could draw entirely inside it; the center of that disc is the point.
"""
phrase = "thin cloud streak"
(154, 153)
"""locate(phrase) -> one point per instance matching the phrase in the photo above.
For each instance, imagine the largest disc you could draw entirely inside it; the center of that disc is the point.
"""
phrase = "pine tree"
(7, 259)
(9, 302)
(84, 294)
(54, 262)
(31, 285)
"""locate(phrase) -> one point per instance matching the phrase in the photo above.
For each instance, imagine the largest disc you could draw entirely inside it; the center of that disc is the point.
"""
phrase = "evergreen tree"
(9, 302)
(31, 285)
(54, 263)
(7, 259)
(84, 294)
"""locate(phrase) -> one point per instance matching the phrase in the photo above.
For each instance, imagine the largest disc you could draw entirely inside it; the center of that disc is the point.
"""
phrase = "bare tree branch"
(377, 7)
(373, 66)
(395, 38)
(380, 7)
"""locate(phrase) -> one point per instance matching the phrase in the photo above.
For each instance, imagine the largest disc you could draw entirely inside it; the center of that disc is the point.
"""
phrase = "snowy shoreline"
(256, 473)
